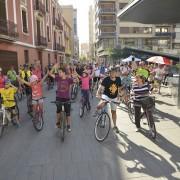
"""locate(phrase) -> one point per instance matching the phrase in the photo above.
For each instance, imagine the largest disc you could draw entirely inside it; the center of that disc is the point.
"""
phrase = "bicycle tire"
(152, 127)
(63, 125)
(81, 110)
(38, 122)
(131, 111)
(104, 116)
(1, 126)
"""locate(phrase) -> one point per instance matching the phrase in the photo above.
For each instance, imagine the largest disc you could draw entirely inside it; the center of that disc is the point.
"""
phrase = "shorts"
(112, 105)
(67, 106)
(34, 102)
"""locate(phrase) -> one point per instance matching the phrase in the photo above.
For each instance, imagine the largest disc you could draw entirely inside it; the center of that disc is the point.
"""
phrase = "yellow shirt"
(23, 74)
(8, 94)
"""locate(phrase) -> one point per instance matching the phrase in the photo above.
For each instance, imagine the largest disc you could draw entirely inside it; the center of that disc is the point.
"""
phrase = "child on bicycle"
(8, 99)
(36, 86)
(64, 83)
(85, 86)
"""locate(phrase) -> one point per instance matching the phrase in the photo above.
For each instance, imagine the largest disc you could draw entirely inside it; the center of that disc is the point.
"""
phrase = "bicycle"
(63, 118)
(38, 120)
(103, 123)
(148, 105)
(6, 116)
(74, 91)
(83, 104)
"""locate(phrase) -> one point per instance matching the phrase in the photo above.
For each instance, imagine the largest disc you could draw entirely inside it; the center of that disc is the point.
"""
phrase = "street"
(28, 155)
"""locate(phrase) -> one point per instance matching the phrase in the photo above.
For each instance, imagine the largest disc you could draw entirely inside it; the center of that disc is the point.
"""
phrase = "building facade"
(91, 33)
(31, 30)
(112, 33)
(70, 14)
(85, 51)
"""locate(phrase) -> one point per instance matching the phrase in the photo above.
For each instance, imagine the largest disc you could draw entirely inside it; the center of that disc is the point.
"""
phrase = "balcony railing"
(8, 29)
(41, 41)
(39, 6)
(58, 23)
(107, 10)
(58, 47)
(106, 34)
(108, 22)
(173, 34)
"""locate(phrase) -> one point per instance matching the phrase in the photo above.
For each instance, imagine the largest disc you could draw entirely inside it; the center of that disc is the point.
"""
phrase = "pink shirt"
(2, 81)
(37, 90)
(38, 73)
(85, 83)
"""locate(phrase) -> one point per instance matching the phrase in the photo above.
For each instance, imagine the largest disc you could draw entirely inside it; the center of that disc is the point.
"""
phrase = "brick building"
(31, 30)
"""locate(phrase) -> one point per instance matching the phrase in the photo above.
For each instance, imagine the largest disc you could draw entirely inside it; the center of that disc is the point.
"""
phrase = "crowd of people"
(109, 81)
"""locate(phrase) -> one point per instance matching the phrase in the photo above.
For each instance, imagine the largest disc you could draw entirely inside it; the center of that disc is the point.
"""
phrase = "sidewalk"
(143, 158)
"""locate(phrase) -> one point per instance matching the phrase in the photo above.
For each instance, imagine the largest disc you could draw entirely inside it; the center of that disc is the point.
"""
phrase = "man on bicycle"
(64, 83)
(109, 90)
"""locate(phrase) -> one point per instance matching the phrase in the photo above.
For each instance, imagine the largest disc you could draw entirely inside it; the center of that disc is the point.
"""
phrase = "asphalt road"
(29, 155)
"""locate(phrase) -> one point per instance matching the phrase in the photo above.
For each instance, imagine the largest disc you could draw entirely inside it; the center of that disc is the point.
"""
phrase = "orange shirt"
(37, 90)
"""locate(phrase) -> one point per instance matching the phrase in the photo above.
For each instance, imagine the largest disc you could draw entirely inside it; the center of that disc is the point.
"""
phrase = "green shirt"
(12, 75)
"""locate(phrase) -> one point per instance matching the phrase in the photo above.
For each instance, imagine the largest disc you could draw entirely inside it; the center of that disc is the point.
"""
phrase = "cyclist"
(110, 90)
(85, 86)
(2, 79)
(140, 89)
(37, 90)
(64, 83)
(8, 96)
(11, 74)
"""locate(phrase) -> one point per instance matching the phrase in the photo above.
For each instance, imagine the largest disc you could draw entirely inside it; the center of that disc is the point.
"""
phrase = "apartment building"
(70, 14)
(91, 32)
(105, 27)
(111, 32)
(30, 30)
(85, 50)
(67, 39)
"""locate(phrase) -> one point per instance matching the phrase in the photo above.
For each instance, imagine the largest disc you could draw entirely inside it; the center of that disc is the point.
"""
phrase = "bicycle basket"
(147, 103)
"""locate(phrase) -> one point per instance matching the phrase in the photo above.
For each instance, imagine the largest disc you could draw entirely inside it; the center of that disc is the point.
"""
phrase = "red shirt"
(2, 81)
(37, 90)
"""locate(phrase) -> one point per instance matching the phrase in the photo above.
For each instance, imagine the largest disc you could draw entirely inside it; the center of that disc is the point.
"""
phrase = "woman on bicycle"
(64, 83)
(140, 89)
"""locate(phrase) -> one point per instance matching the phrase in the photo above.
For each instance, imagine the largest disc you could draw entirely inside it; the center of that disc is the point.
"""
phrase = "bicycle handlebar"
(62, 103)
(117, 103)
(38, 99)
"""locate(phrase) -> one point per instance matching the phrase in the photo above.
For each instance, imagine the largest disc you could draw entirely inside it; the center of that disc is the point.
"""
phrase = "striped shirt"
(140, 91)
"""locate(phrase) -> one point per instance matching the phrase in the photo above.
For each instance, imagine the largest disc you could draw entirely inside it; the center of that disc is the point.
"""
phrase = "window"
(47, 6)
(26, 56)
(158, 30)
(2, 9)
(24, 21)
(164, 30)
(48, 34)
(122, 5)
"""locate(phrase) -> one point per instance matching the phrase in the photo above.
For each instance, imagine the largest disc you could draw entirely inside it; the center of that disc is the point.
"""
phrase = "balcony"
(66, 35)
(107, 11)
(41, 42)
(8, 30)
(58, 24)
(107, 34)
(111, 22)
(40, 7)
(58, 47)
(166, 34)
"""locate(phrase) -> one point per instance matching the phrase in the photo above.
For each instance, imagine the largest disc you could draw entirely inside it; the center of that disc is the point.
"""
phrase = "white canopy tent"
(130, 58)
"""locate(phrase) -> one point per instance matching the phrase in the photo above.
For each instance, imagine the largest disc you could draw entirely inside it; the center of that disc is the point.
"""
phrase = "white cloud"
(82, 9)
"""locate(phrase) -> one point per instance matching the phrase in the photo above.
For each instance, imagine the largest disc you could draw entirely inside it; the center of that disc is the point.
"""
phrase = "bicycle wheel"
(63, 126)
(151, 125)
(81, 110)
(38, 121)
(1, 125)
(102, 127)
(131, 111)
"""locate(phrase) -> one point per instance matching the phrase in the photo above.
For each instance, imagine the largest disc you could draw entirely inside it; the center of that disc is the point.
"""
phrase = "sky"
(82, 10)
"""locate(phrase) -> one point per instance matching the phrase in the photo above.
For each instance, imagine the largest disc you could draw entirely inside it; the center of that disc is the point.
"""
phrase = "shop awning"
(152, 12)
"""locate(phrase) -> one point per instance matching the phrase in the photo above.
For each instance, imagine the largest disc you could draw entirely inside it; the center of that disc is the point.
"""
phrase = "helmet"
(33, 78)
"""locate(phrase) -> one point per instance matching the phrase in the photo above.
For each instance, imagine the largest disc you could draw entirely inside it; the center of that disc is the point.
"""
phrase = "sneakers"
(68, 128)
(115, 128)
